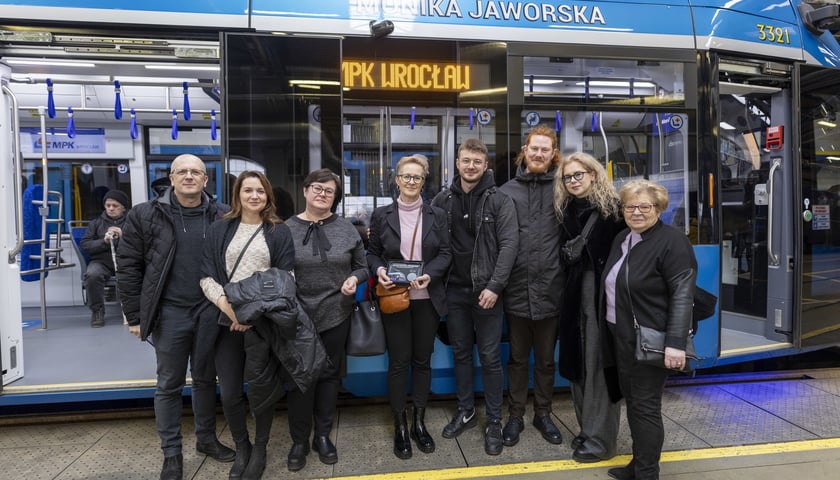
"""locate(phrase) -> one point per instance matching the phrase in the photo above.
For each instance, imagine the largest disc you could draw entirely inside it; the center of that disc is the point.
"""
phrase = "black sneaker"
(463, 420)
(493, 437)
(513, 428)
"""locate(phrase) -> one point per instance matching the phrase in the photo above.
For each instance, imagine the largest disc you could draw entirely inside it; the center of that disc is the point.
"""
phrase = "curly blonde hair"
(603, 194)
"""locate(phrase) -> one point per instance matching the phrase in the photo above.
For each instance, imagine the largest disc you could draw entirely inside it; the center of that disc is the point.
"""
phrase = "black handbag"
(572, 250)
(704, 305)
(650, 347)
(367, 334)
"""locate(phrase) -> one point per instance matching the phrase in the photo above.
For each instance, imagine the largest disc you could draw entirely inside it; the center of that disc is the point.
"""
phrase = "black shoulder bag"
(572, 250)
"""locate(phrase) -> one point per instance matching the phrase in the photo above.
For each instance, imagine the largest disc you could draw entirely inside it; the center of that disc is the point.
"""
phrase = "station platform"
(757, 426)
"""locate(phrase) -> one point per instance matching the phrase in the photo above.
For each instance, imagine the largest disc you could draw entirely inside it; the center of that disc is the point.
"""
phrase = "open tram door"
(816, 214)
(11, 330)
(756, 171)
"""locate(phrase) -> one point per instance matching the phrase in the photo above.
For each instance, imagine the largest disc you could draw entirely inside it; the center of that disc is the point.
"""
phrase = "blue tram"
(730, 104)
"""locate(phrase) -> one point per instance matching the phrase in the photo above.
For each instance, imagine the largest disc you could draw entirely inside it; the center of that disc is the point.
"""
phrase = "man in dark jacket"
(532, 297)
(101, 232)
(159, 264)
(484, 238)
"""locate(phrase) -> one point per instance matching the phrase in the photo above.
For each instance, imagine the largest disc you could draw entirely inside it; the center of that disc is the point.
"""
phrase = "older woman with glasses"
(329, 265)
(649, 280)
(411, 230)
(588, 207)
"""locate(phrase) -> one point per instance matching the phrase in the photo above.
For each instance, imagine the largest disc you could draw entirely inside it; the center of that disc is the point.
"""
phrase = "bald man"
(159, 263)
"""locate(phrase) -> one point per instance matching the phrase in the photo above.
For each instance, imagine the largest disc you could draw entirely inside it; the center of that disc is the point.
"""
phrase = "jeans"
(468, 323)
(180, 342)
(410, 336)
(97, 275)
(541, 335)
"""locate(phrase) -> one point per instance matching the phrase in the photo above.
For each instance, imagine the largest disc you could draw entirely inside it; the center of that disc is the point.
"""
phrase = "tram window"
(81, 183)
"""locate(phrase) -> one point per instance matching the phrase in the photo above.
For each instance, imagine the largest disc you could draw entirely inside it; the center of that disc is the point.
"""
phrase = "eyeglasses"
(577, 176)
(182, 172)
(643, 207)
(319, 190)
(411, 178)
(475, 161)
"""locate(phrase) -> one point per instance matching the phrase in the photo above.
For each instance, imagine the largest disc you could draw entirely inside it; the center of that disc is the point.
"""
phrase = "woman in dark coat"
(252, 235)
(582, 191)
(649, 279)
(410, 230)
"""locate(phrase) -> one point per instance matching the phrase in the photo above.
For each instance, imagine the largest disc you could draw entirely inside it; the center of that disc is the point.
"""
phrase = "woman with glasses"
(588, 208)
(329, 264)
(249, 239)
(410, 230)
(649, 280)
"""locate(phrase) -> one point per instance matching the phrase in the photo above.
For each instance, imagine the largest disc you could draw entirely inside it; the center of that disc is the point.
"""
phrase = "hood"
(486, 181)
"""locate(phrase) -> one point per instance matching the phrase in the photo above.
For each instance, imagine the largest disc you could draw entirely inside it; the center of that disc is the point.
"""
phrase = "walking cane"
(114, 259)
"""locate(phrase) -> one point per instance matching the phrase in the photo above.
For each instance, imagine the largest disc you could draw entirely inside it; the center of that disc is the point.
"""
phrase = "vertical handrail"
(18, 195)
(771, 184)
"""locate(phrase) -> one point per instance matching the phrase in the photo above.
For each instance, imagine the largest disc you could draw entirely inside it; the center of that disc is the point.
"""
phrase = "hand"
(421, 282)
(382, 275)
(134, 330)
(674, 358)
(238, 327)
(487, 299)
(112, 233)
(349, 285)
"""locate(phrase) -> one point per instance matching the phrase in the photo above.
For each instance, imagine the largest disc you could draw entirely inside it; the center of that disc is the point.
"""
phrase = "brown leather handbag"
(392, 300)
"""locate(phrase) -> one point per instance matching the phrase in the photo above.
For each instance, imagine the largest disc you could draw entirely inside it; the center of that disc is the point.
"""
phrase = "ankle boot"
(243, 454)
(419, 432)
(402, 442)
(256, 464)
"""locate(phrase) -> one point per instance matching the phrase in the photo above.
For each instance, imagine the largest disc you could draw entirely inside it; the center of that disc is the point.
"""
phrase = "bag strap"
(627, 277)
(590, 223)
(242, 252)
(414, 235)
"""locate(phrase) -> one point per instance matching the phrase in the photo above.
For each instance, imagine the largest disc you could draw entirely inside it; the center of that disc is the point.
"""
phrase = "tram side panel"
(11, 330)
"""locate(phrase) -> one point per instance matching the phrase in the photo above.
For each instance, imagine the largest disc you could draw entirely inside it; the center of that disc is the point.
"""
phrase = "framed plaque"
(402, 272)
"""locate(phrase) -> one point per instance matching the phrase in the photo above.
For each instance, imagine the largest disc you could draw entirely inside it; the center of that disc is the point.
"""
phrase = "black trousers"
(642, 387)
(320, 400)
(410, 336)
(525, 334)
(230, 368)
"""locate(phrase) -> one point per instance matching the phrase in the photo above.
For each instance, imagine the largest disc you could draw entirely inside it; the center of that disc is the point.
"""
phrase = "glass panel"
(283, 109)
(604, 81)
(821, 197)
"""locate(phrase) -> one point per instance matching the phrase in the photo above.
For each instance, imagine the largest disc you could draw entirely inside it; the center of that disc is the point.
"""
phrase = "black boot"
(402, 442)
(243, 454)
(419, 432)
(256, 464)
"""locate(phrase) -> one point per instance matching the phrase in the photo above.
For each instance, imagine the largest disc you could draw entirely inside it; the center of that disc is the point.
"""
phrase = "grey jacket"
(496, 237)
(536, 283)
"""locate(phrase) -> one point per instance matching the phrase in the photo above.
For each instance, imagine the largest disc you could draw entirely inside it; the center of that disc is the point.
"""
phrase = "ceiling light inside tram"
(616, 84)
(826, 123)
(726, 126)
(543, 81)
(212, 68)
(49, 63)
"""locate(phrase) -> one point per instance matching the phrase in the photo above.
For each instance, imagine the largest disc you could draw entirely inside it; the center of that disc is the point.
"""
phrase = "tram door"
(756, 169)
(816, 214)
(11, 330)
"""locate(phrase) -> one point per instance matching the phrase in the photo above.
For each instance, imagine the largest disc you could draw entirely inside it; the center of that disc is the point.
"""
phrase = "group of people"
(487, 253)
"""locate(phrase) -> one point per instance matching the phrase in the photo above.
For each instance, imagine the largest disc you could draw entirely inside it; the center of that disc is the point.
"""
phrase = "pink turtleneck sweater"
(411, 214)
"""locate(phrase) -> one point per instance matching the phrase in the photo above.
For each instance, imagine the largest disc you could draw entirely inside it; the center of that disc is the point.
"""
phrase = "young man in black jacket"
(484, 238)
(159, 262)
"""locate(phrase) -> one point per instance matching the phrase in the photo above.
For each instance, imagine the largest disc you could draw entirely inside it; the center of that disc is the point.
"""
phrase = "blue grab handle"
(472, 118)
(71, 124)
(132, 129)
(50, 99)
(174, 124)
(212, 124)
(530, 84)
(558, 121)
(594, 121)
(632, 85)
(117, 102)
(186, 101)
(413, 112)
(586, 89)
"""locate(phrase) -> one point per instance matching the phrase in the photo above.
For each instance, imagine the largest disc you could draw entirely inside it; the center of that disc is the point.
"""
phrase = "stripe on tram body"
(621, 460)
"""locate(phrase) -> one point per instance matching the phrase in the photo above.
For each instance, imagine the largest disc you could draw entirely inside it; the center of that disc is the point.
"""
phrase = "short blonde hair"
(655, 191)
(416, 159)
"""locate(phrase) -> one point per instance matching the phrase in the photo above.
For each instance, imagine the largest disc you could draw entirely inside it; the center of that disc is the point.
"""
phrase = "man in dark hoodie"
(484, 238)
(532, 297)
(101, 232)
(159, 264)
